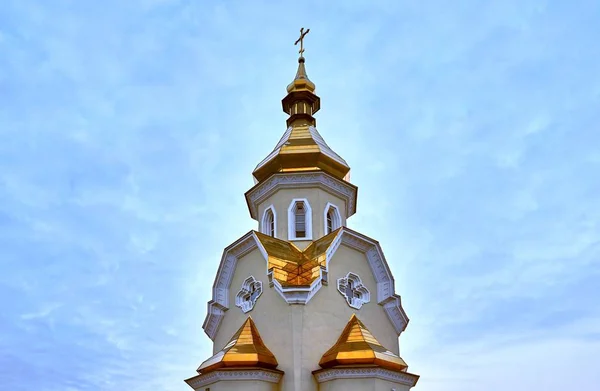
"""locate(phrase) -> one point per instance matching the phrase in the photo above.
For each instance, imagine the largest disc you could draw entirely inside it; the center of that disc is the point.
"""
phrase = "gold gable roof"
(245, 349)
(290, 265)
(357, 346)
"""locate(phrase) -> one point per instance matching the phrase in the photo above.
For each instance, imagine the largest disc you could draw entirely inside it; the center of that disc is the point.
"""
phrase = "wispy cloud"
(130, 130)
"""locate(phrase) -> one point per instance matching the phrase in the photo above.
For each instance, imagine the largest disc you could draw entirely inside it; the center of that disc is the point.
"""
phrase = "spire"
(301, 102)
(301, 148)
(357, 346)
(301, 81)
(245, 349)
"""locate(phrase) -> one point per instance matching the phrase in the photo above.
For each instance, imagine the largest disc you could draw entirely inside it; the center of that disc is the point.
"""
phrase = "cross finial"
(301, 40)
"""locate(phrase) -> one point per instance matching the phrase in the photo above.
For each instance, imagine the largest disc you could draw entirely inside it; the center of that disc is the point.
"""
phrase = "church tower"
(304, 303)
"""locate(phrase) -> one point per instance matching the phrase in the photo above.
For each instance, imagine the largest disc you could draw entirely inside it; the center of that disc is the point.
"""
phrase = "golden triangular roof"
(357, 346)
(290, 265)
(245, 349)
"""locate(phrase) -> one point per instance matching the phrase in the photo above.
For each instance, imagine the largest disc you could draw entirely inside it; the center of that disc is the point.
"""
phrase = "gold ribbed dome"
(301, 81)
(245, 349)
(357, 346)
(301, 148)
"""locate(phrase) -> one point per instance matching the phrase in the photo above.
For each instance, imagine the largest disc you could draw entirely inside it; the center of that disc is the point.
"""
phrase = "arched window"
(268, 221)
(333, 220)
(300, 221)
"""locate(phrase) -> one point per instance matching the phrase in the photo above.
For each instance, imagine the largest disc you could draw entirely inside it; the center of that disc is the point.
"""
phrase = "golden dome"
(245, 349)
(301, 81)
(301, 148)
(357, 346)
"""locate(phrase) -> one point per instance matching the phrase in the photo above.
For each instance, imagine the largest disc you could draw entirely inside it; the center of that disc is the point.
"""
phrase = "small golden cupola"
(357, 346)
(301, 148)
(246, 349)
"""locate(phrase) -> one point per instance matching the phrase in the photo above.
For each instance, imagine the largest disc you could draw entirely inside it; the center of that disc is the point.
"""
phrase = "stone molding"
(220, 292)
(263, 190)
(404, 378)
(266, 375)
(386, 295)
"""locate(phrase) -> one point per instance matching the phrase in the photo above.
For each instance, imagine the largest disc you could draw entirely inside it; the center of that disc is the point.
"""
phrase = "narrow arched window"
(300, 220)
(333, 219)
(268, 222)
(329, 221)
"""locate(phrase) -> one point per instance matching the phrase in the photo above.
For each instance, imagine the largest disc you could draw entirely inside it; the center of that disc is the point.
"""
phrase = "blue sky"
(130, 129)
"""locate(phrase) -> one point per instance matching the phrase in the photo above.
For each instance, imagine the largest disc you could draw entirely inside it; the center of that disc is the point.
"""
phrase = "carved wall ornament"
(247, 296)
(352, 288)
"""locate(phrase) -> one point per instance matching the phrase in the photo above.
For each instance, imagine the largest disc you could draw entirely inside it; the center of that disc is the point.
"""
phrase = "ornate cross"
(301, 40)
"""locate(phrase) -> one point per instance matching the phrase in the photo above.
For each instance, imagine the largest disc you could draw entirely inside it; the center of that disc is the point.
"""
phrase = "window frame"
(263, 223)
(292, 220)
(336, 221)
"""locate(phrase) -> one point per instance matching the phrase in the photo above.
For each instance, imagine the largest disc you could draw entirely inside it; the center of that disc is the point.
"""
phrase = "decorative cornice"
(266, 375)
(386, 295)
(403, 378)
(319, 179)
(220, 298)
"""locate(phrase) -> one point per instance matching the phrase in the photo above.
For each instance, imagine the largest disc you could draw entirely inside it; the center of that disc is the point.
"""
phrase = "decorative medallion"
(247, 296)
(352, 288)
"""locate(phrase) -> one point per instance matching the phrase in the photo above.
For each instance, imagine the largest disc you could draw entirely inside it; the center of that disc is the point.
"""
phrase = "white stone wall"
(298, 335)
(317, 199)
(371, 384)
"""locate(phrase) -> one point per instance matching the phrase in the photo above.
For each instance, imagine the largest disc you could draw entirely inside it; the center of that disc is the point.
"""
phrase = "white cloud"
(132, 129)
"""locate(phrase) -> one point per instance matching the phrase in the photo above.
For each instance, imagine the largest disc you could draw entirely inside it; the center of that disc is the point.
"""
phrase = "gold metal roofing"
(290, 265)
(301, 148)
(357, 346)
(245, 349)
